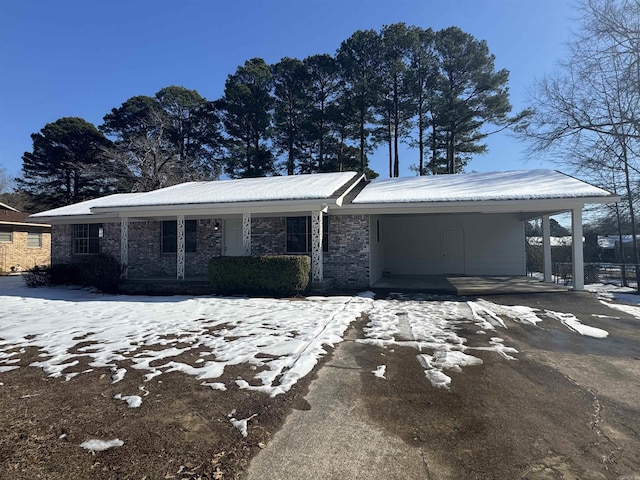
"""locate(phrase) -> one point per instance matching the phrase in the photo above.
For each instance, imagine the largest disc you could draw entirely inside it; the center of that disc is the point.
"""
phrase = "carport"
(469, 225)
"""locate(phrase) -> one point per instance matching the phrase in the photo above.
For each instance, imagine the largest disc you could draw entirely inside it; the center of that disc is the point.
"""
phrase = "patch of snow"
(134, 401)
(118, 375)
(215, 385)
(96, 445)
(242, 424)
(380, 371)
(571, 322)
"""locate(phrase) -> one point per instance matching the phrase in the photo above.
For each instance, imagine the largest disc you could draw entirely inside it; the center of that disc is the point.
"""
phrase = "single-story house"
(355, 230)
(23, 244)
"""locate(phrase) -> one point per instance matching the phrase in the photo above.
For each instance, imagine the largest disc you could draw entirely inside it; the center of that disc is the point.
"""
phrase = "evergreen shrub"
(277, 275)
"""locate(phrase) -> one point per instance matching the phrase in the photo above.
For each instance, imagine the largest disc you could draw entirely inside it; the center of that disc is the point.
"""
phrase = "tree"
(359, 61)
(246, 115)
(167, 139)
(292, 108)
(395, 108)
(589, 109)
(325, 85)
(5, 181)
(68, 164)
(193, 131)
(422, 74)
(470, 93)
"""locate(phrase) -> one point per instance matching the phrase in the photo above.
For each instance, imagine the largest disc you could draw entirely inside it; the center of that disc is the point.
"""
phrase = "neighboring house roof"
(4, 206)
(514, 185)
(531, 193)
(565, 241)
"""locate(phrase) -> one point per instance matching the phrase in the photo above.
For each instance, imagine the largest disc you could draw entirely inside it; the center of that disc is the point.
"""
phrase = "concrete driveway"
(565, 407)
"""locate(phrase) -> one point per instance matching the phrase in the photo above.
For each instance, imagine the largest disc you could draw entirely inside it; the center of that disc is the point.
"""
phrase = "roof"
(82, 208)
(293, 187)
(513, 185)
(297, 189)
(345, 190)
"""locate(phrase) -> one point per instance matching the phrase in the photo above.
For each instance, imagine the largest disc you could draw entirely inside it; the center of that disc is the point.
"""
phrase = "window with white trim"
(34, 240)
(86, 238)
(299, 234)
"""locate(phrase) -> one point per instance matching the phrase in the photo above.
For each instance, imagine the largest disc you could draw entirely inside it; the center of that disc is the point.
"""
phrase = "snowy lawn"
(282, 340)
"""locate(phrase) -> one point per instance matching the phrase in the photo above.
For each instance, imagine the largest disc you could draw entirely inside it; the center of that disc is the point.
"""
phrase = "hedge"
(101, 271)
(278, 275)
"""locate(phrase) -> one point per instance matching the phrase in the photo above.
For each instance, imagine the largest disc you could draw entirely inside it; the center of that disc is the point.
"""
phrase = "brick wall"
(347, 261)
(18, 255)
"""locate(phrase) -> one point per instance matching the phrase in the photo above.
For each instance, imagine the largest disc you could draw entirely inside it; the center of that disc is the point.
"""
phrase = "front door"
(453, 252)
(233, 238)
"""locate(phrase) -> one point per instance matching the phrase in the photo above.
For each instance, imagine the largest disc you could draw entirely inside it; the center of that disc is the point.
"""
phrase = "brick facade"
(16, 255)
(346, 263)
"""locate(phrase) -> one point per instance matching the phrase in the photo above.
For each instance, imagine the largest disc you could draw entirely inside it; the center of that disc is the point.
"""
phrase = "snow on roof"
(291, 187)
(513, 185)
(82, 208)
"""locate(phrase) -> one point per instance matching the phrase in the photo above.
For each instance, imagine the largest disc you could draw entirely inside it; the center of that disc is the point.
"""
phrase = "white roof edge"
(24, 224)
(9, 207)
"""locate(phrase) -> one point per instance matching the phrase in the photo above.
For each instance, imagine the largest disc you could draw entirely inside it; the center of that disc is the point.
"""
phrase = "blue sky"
(82, 58)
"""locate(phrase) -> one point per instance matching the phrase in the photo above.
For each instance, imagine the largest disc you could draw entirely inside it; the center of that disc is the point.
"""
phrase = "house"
(23, 244)
(356, 231)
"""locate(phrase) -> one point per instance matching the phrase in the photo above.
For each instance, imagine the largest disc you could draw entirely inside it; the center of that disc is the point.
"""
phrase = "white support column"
(546, 249)
(124, 245)
(181, 248)
(246, 234)
(316, 246)
(577, 249)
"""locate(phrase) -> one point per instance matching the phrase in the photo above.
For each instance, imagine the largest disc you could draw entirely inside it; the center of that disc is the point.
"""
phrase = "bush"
(279, 275)
(38, 276)
(101, 271)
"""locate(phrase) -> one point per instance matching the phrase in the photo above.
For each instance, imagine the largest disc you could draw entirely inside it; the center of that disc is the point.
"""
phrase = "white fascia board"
(218, 208)
(24, 224)
(76, 219)
(484, 206)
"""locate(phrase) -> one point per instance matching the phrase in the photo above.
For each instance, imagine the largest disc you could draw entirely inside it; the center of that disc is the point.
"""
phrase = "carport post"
(546, 248)
(576, 249)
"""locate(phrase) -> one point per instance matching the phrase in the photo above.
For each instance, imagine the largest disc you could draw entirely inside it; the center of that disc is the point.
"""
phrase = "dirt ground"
(567, 408)
(184, 432)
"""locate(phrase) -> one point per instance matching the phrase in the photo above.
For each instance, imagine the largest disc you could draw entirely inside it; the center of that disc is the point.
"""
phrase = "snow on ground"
(433, 325)
(281, 339)
(97, 445)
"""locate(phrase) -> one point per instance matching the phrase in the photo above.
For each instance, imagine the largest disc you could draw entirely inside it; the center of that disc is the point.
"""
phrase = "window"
(34, 240)
(170, 236)
(86, 238)
(6, 237)
(299, 234)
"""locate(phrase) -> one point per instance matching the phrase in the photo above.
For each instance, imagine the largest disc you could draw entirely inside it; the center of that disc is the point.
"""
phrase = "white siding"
(493, 243)
(376, 258)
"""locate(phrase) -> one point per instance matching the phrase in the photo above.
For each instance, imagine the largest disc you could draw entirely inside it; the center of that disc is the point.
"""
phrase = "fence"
(611, 273)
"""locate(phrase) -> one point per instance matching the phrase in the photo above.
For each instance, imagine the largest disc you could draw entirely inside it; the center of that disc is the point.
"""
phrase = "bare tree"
(588, 113)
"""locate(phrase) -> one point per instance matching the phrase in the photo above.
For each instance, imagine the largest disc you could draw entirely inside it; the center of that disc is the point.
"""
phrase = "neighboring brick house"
(355, 231)
(23, 244)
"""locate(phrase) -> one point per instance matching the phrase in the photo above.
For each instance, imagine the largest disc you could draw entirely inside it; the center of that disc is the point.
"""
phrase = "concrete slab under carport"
(465, 285)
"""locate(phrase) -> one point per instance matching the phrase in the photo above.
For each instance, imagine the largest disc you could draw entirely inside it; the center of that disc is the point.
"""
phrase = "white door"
(233, 238)
(452, 252)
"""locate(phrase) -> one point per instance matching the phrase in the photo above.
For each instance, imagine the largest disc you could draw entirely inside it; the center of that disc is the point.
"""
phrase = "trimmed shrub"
(101, 271)
(278, 275)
